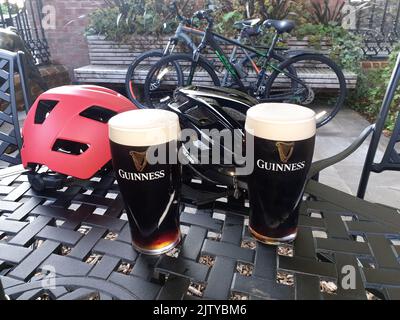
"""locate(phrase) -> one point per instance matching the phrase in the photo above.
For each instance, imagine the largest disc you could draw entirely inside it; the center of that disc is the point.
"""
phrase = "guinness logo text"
(285, 150)
(148, 176)
(139, 160)
(281, 167)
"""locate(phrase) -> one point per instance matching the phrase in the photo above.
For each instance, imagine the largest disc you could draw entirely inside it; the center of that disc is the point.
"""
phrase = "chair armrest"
(325, 163)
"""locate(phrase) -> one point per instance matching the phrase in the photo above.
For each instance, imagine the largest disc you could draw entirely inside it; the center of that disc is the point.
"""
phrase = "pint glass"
(150, 189)
(284, 138)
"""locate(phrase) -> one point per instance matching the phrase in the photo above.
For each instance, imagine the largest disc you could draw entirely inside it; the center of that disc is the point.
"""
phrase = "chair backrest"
(391, 157)
(22, 63)
(10, 134)
(2, 294)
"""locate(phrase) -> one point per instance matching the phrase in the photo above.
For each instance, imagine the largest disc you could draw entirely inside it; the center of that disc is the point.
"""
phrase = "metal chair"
(391, 158)
(10, 134)
(2, 294)
(22, 64)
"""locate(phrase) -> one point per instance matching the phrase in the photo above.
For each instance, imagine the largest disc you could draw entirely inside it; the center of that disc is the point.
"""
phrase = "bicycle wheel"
(251, 66)
(172, 72)
(321, 85)
(136, 75)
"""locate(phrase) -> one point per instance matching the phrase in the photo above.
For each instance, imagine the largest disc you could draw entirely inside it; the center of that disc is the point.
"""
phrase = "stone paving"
(336, 136)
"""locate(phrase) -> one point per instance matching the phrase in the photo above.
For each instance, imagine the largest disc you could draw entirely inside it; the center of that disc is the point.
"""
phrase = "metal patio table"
(74, 243)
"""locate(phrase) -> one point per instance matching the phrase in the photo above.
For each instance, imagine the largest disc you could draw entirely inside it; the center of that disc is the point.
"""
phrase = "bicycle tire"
(324, 60)
(131, 71)
(174, 58)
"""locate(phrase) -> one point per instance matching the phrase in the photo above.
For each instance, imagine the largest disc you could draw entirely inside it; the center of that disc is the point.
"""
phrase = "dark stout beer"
(284, 138)
(151, 191)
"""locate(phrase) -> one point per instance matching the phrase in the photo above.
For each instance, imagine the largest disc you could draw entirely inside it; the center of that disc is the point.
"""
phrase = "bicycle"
(247, 29)
(284, 84)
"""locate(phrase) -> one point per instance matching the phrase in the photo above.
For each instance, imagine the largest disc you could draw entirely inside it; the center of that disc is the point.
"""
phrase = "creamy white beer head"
(142, 128)
(281, 122)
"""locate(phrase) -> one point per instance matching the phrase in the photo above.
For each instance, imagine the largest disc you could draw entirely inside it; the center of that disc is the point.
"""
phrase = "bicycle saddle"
(281, 26)
(242, 24)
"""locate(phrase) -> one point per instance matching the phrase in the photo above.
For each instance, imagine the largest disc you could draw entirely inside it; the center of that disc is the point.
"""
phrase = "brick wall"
(67, 42)
(374, 64)
(53, 75)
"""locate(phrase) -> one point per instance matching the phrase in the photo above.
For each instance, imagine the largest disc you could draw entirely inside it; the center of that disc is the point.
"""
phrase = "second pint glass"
(284, 138)
(151, 190)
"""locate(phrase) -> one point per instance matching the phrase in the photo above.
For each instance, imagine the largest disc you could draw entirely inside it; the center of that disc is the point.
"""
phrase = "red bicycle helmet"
(66, 130)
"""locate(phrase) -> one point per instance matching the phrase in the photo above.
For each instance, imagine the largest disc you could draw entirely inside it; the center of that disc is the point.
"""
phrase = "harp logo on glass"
(285, 150)
(139, 160)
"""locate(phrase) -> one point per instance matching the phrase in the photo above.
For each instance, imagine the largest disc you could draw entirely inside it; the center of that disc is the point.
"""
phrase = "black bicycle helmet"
(203, 109)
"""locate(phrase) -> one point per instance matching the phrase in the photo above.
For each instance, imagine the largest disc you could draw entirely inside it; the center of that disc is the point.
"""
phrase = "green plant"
(323, 12)
(371, 88)
(121, 18)
(275, 9)
(104, 22)
(283, 9)
(11, 8)
(345, 46)
(127, 10)
(226, 21)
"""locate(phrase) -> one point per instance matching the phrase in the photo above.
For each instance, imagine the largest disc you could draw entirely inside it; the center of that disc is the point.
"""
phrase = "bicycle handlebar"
(174, 7)
(204, 15)
(201, 15)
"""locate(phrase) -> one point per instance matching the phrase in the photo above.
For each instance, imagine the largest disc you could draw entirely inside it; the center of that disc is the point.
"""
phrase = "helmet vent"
(70, 147)
(43, 110)
(99, 114)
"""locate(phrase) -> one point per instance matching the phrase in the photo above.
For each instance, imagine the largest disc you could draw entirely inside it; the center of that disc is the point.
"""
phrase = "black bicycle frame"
(209, 39)
(181, 33)
(212, 39)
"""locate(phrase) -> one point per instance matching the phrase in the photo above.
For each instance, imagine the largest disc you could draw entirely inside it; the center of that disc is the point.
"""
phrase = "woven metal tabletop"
(75, 244)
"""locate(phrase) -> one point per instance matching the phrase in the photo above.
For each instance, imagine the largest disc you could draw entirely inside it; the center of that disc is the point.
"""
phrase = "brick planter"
(109, 60)
(102, 51)
(374, 64)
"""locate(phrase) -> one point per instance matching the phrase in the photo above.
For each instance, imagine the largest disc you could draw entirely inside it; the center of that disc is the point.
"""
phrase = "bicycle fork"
(170, 48)
(193, 65)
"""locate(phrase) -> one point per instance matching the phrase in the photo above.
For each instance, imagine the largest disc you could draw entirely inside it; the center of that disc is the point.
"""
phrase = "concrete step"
(315, 77)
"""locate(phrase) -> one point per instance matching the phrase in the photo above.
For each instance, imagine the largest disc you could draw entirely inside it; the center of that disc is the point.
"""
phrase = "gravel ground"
(244, 269)
(196, 289)
(285, 278)
(249, 244)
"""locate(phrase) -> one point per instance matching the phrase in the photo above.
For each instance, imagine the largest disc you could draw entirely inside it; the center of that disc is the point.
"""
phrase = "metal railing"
(28, 21)
(378, 22)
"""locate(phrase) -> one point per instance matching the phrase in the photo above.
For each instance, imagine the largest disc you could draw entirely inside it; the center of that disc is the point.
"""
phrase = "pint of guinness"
(284, 138)
(151, 190)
